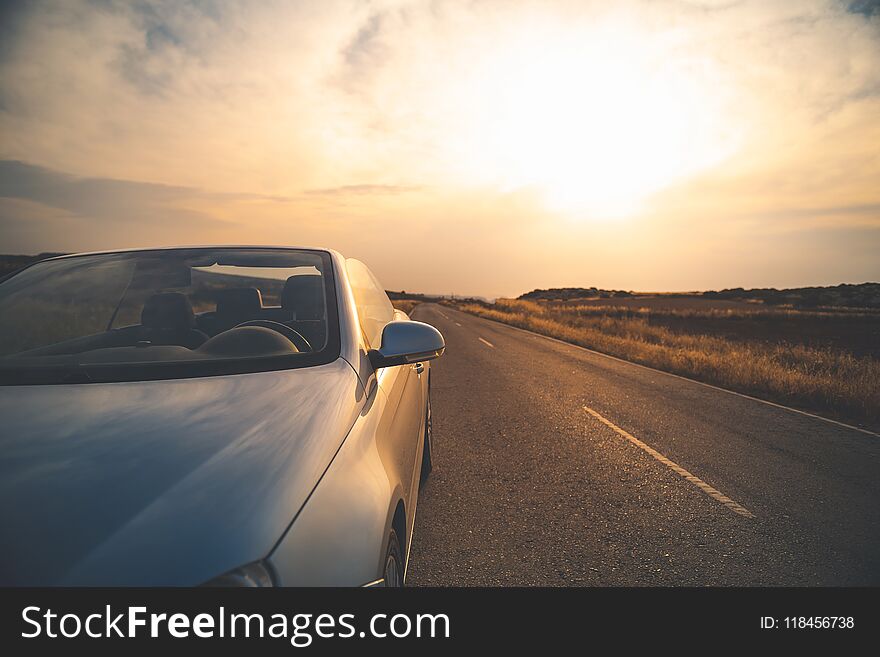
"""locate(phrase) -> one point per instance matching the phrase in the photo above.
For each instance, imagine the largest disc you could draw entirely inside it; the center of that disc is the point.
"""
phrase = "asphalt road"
(558, 466)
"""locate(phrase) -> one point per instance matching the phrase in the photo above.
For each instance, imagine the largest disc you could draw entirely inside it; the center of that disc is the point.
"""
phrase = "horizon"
(490, 297)
(489, 148)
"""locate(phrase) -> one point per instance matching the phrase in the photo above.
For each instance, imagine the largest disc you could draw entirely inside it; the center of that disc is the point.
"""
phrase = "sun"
(596, 120)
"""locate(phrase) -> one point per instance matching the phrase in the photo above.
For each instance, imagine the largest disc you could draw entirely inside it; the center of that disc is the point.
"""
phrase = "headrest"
(240, 302)
(169, 310)
(304, 296)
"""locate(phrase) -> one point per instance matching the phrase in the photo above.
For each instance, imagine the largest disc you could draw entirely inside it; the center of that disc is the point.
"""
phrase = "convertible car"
(215, 416)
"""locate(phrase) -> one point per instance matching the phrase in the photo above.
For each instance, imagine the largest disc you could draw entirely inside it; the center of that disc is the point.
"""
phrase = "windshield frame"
(65, 374)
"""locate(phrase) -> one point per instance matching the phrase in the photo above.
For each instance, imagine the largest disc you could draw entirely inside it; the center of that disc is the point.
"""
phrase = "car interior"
(239, 325)
(168, 319)
(302, 309)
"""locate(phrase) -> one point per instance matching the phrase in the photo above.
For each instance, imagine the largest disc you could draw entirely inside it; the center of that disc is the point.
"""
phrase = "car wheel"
(428, 449)
(393, 571)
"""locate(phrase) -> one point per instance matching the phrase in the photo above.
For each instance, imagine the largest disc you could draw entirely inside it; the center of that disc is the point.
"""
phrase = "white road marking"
(457, 324)
(714, 493)
(486, 342)
(442, 314)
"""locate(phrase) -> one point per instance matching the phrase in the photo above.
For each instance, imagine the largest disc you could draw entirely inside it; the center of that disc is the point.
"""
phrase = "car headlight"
(257, 574)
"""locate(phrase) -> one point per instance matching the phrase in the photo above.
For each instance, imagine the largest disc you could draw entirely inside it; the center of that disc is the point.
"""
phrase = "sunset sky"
(483, 147)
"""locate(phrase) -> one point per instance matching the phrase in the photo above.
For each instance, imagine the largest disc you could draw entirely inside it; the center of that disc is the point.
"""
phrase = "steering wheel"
(294, 336)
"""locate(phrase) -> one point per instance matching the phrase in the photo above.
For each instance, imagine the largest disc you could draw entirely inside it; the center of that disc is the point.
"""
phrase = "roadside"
(825, 379)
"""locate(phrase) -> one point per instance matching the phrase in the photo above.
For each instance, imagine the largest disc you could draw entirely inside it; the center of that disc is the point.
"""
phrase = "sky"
(483, 147)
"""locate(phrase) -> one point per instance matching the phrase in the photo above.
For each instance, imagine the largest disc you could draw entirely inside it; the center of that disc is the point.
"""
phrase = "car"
(220, 416)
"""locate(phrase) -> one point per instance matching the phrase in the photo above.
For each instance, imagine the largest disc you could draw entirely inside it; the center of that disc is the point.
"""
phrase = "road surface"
(558, 466)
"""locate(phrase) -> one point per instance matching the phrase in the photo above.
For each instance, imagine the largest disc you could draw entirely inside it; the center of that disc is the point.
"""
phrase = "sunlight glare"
(597, 122)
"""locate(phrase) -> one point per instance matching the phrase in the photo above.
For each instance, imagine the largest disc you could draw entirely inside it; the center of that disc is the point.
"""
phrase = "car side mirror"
(407, 342)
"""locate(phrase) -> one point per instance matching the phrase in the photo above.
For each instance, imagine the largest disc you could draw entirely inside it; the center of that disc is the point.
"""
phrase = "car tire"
(393, 569)
(428, 448)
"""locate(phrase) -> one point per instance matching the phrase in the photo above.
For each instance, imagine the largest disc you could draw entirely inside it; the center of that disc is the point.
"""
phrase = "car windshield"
(167, 313)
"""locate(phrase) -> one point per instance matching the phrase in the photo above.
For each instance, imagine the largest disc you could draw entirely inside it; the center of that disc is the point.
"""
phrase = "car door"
(402, 385)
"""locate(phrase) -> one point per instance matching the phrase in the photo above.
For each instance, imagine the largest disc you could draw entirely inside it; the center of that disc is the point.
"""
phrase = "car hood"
(162, 482)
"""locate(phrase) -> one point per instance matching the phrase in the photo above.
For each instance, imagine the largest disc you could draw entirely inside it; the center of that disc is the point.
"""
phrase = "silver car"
(231, 416)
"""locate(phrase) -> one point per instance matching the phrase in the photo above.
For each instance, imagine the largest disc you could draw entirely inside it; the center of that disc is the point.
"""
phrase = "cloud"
(281, 97)
(364, 47)
(867, 8)
(364, 190)
(72, 212)
(305, 121)
(82, 196)
(110, 199)
(42, 207)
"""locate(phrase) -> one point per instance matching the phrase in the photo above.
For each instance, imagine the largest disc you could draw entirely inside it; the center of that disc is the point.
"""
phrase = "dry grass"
(709, 308)
(830, 380)
(406, 305)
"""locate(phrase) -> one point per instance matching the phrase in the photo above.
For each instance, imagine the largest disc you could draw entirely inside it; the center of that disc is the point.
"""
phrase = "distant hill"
(568, 293)
(862, 295)
(10, 263)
